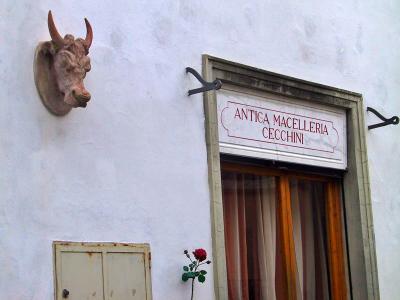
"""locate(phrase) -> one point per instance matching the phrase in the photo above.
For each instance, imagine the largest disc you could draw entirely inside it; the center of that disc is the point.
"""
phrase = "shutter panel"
(81, 275)
(126, 276)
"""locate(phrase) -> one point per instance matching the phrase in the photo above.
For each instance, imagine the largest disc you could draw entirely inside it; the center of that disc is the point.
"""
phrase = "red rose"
(200, 254)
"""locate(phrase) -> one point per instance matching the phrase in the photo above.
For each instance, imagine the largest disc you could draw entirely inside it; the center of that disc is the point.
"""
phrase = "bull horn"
(55, 36)
(89, 35)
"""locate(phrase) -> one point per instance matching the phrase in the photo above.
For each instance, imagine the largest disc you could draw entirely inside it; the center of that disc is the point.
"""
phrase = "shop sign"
(284, 130)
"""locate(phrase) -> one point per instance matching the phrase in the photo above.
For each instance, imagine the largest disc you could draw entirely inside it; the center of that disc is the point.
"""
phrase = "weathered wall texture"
(132, 166)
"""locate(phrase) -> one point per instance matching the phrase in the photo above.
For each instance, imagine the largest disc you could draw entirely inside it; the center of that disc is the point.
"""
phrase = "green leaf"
(191, 275)
(202, 272)
(197, 273)
(185, 277)
(185, 268)
(202, 278)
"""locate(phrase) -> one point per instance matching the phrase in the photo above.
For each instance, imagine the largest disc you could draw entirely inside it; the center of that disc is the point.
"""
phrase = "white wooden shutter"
(102, 271)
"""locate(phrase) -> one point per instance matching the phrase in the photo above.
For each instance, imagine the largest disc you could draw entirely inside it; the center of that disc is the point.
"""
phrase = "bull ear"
(55, 36)
(49, 48)
(89, 35)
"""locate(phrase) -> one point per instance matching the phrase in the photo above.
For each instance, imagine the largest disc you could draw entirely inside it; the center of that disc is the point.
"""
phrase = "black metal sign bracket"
(392, 121)
(206, 86)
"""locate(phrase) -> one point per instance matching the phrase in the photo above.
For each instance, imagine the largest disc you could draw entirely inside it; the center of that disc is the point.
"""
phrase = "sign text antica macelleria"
(285, 124)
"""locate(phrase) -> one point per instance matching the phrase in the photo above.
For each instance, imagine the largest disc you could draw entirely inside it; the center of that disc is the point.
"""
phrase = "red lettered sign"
(290, 131)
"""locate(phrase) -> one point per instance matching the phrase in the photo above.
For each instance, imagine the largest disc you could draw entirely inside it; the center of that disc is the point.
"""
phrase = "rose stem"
(191, 298)
(197, 265)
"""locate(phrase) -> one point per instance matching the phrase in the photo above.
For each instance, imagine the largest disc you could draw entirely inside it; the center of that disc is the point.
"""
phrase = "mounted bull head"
(60, 67)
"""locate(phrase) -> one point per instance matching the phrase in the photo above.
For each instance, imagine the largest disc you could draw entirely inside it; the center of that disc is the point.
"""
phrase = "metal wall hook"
(207, 86)
(392, 121)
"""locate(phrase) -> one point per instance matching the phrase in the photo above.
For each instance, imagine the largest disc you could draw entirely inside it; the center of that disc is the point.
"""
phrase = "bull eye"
(64, 63)
(69, 68)
(85, 63)
(67, 62)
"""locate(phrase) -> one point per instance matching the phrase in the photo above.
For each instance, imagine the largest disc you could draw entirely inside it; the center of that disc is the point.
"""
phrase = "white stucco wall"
(132, 166)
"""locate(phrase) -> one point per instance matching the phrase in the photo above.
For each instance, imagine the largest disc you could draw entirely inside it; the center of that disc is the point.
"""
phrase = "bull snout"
(82, 96)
